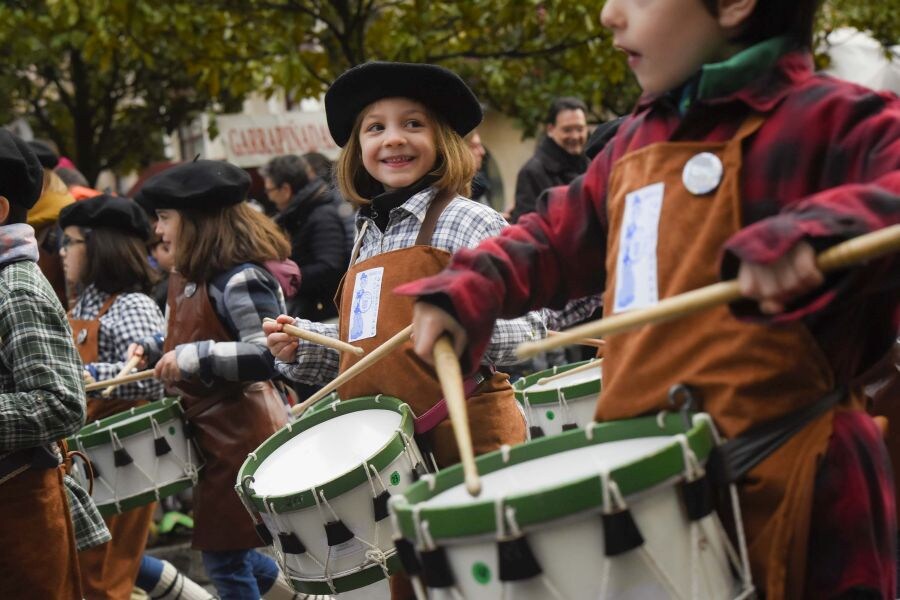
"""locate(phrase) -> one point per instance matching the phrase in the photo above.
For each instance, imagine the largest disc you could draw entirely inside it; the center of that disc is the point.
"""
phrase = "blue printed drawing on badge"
(636, 282)
(364, 307)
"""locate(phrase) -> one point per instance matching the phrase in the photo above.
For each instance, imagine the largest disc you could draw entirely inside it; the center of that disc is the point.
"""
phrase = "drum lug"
(337, 533)
(697, 496)
(380, 505)
(536, 432)
(620, 533)
(121, 457)
(436, 568)
(264, 534)
(407, 553)
(161, 446)
(291, 544)
(516, 561)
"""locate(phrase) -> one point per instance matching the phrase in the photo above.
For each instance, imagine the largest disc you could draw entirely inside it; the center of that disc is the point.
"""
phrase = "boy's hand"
(167, 370)
(281, 345)
(429, 323)
(776, 284)
(136, 350)
(88, 378)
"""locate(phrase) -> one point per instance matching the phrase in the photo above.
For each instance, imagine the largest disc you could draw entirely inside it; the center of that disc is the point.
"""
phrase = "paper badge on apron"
(364, 307)
(636, 280)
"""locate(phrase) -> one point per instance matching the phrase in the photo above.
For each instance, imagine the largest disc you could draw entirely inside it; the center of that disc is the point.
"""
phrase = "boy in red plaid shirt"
(738, 161)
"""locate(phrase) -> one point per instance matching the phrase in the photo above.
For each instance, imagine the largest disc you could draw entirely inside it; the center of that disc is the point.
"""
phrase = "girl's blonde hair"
(454, 166)
(213, 242)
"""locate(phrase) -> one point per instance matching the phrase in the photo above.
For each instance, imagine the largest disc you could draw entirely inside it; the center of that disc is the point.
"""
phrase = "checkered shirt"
(463, 224)
(132, 317)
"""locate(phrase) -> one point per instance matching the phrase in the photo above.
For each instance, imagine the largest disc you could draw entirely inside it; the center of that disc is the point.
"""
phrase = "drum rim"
(341, 483)
(97, 433)
(110, 508)
(354, 580)
(547, 504)
(572, 392)
(320, 404)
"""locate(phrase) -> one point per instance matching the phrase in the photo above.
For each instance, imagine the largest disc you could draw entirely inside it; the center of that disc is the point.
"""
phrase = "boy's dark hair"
(564, 103)
(290, 169)
(772, 18)
(17, 214)
(117, 262)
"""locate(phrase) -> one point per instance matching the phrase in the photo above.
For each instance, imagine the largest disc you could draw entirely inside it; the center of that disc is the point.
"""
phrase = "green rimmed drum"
(555, 402)
(138, 456)
(320, 488)
(617, 510)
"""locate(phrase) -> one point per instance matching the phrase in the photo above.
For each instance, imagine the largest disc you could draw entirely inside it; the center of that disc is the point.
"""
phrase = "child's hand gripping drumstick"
(450, 375)
(139, 376)
(364, 363)
(317, 338)
(129, 366)
(865, 247)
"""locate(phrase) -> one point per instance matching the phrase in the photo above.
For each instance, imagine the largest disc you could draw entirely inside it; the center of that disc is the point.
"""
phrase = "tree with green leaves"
(105, 79)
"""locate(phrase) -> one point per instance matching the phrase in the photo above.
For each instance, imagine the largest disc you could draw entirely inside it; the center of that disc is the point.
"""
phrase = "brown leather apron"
(37, 540)
(229, 420)
(745, 373)
(494, 419)
(108, 571)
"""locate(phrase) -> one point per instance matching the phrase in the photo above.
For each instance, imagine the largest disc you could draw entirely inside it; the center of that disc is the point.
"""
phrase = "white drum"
(556, 400)
(320, 487)
(138, 456)
(618, 510)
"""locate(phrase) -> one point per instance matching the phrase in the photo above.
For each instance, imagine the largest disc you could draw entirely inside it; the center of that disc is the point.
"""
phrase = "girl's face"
(397, 141)
(168, 226)
(73, 252)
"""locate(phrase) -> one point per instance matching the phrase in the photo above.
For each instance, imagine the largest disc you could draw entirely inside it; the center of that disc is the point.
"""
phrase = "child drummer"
(737, 161)
(41, 401)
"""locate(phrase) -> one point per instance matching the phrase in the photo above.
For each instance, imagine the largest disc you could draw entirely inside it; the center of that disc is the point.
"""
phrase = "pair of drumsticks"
(862, 248)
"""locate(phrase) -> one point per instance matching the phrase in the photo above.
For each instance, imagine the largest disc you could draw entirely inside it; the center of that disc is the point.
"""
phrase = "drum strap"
(732, 460)
(437, 413)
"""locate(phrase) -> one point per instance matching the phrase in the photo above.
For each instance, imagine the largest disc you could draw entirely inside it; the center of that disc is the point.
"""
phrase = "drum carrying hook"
(685, 399)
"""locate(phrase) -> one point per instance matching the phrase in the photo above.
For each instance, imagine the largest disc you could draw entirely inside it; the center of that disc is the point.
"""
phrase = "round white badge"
(82, 336)
(189, 289)
(702, 173)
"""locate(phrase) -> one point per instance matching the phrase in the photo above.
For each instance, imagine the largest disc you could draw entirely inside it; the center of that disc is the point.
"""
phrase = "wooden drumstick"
(865, 247)
(318, 338)
(129, 366)
(364, 363)
(592, 342)
(139, 376)
(450, 375)
(594, 364)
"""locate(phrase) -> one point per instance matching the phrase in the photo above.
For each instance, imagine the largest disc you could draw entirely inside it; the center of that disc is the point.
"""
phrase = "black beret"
(21, 175)
(108, 211)
(49, 159)
(437, 88)
(205, 185)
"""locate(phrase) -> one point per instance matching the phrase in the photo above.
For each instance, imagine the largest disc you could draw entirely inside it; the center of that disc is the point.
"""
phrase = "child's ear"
(734, 13)
(4, 210)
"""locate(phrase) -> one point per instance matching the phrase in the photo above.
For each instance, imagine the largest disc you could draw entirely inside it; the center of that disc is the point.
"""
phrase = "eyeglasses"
(67, 241)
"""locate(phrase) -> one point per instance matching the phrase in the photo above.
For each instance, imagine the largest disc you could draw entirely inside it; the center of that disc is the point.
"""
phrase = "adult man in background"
(559, 157)
(309, 212)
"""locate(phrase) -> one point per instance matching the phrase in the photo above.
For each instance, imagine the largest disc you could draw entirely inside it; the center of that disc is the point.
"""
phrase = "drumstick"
(593, 342)
(99, 385)
(593, 364)
(865, 247)
(318, 338)
(129, 366)
(364, 363)
(450, 375)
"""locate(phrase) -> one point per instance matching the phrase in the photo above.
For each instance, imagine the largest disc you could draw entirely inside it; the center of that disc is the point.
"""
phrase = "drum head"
(325, 451)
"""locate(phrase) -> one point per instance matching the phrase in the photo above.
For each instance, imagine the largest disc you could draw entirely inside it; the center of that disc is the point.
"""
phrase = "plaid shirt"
(824, 167)
(241, 298)
(130, 318)
(41, 387)
(463, 224)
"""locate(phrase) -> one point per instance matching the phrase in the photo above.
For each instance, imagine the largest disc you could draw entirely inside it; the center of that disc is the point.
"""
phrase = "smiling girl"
(405, 165)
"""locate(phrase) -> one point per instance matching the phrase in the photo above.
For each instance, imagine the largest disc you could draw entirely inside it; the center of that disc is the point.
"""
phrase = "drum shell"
(564, 403)
(149, 477)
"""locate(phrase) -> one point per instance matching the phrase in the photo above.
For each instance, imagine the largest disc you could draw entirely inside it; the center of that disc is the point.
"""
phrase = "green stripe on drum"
(98, 433)
(127, 504)
(551, 396)
(478, 517)
(347, 583)
(342, 483)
